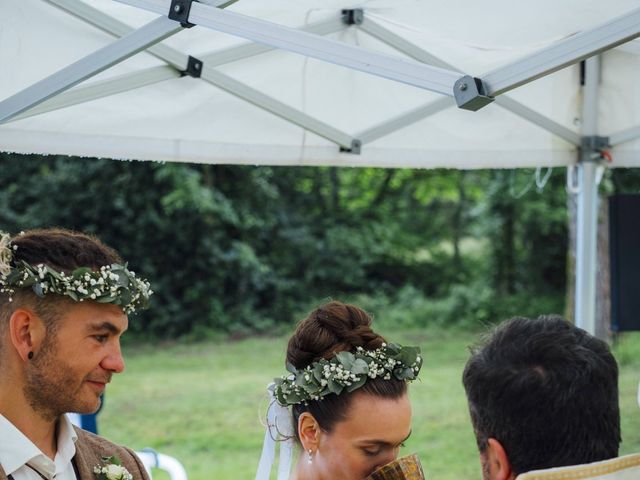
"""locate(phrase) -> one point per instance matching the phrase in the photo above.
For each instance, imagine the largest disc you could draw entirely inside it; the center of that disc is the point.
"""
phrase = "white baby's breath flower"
(5, 254)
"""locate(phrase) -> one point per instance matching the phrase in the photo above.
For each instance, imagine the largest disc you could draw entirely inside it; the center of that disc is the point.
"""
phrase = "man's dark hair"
(547, 391)
(63, 250)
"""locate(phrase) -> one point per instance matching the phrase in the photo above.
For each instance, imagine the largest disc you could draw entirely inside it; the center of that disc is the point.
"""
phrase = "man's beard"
(484, 462)
(49, 386)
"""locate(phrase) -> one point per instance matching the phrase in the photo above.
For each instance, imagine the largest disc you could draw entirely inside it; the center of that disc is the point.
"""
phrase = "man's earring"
(30, 355)
(309, 456)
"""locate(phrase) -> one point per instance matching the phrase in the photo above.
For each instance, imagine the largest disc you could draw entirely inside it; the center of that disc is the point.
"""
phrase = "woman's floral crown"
(111, 284)
(347, 371)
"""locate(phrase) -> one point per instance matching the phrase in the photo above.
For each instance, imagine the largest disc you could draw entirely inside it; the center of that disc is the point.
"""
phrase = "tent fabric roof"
(190, 120)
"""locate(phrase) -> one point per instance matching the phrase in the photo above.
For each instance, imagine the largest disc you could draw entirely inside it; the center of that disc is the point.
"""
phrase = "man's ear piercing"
(30, 355)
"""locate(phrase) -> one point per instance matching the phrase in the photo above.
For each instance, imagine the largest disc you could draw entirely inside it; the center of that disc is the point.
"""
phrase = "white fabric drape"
(278, 432)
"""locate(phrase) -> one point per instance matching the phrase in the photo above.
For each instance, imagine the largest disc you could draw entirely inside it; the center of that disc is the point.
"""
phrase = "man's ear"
(497, 461)
(309, 431)
(26, 332)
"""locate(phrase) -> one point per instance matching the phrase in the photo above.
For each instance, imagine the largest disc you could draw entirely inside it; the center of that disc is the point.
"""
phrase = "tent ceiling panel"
(619, 92)
(186, 119)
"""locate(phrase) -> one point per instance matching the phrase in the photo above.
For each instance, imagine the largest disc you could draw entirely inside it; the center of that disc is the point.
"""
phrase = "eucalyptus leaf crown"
(114, 284)
(346, 372)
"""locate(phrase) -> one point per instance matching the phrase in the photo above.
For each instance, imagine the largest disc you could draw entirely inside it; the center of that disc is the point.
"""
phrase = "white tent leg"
(587, 221)
(586, 239)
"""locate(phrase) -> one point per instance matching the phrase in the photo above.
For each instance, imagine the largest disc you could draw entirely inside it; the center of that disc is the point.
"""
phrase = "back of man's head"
(547, 391)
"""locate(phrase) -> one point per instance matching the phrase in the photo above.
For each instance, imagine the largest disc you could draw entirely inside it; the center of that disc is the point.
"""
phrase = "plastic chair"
(152, 459)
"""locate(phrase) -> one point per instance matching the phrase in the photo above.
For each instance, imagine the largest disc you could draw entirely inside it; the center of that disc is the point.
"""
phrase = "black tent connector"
(355, 148)
(354, 16)
(194, 67)
(179, 11)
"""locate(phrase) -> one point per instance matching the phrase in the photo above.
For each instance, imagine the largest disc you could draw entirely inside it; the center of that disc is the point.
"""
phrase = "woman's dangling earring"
(30, 355)
(309, 456)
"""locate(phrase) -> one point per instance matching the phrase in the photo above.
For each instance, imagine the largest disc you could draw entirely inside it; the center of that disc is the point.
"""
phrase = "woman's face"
(370, 436)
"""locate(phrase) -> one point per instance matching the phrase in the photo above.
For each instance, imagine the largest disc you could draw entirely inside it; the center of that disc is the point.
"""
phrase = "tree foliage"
(243, 249)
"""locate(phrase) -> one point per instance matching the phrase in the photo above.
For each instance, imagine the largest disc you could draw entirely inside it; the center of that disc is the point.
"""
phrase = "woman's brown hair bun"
(331, 328)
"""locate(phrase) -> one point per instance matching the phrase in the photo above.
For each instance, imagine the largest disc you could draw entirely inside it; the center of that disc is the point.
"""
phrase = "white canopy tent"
(200, 95)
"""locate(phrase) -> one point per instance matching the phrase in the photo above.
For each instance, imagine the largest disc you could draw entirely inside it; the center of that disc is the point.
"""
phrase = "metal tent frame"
(423, 70)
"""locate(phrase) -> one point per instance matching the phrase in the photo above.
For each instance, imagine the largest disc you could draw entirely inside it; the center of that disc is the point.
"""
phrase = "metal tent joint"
(179, 11)
(353, 16)
(470, 93)
(194, 67)
(594, 148)
(356, 146)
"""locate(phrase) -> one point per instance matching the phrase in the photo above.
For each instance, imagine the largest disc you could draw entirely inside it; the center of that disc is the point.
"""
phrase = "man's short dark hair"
(61, 249)
(547, 391)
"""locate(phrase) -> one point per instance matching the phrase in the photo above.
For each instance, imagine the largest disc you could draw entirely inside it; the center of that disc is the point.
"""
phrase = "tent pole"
(568, 51)
(413, 51)
(625, 136)
(179, 62)
(411, 72)
(586, 238)
(123, 48)
(587, 214)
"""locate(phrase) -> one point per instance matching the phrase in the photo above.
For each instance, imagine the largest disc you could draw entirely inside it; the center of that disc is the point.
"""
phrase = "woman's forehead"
(371, 417)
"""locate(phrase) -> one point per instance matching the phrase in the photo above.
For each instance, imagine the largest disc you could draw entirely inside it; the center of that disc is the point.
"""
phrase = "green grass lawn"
(203, 403)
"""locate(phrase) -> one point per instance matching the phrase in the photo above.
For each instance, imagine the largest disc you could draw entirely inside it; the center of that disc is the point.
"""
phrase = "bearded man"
(543, 394)
(64, 302)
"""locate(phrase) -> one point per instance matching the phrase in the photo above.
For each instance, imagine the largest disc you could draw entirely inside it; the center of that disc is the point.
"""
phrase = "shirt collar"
(16, 449)
(67, 438)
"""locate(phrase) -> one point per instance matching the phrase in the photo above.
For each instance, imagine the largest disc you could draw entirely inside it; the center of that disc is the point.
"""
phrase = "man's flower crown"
(347, 371)
(111, 284)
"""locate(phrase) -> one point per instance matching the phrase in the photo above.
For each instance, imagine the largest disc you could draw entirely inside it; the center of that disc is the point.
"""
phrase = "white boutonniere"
(111, 469)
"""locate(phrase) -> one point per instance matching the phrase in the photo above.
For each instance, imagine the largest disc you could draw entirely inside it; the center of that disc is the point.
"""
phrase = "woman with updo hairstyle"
(345, 395)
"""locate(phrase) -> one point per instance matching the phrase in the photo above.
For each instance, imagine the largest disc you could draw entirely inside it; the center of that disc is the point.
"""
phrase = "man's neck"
(41, 431)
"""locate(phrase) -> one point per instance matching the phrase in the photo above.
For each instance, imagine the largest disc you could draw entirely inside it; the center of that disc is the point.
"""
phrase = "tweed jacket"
(91, 448)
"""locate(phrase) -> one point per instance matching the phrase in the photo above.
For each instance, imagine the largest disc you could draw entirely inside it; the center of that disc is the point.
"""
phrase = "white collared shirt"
(16, 450)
